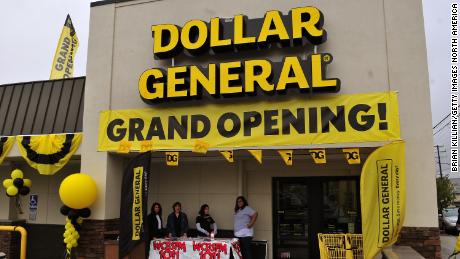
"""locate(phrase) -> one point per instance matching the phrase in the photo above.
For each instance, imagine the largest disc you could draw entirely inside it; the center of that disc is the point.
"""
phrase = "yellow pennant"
(63, 62)
(172, 158)
(200, 147)
(228, 154)
(352, 155)
(146, 145)
(257, 154)
(287, 156)
(318, 155)
(124, 147)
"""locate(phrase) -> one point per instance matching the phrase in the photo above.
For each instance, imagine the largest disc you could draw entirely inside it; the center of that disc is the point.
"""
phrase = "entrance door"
(304, 207)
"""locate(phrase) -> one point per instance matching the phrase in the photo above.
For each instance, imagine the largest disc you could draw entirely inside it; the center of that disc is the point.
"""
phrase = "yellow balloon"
(17, 174)
(28, 183)
(78, 191)
(12, 190)
(69, 246)
(7, 183)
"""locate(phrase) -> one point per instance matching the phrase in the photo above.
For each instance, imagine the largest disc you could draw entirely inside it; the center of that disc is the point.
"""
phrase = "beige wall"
(377, 46)
(45, 186)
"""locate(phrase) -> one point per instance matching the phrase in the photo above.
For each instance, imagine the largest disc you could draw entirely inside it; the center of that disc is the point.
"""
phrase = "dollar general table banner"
(319, 120)
(383, 197)
(194, 248)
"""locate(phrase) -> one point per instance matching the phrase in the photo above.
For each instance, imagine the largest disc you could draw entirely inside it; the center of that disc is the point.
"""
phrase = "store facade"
(377, 48)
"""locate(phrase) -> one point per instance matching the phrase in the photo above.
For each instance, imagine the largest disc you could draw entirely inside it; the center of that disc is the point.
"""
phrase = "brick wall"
(424, 240)
(91, 242)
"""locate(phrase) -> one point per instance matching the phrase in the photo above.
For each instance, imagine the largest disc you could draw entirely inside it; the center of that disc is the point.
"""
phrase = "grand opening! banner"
(296, 122)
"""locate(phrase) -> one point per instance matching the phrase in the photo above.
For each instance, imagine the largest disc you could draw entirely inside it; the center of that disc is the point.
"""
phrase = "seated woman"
(155, 222)
(177, 224)
(205, 224)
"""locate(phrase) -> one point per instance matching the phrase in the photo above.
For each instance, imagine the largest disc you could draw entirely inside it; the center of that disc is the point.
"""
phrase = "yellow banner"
(318, 120)
(63, 62)
(228, 154)
(257, 154)
(383, 197)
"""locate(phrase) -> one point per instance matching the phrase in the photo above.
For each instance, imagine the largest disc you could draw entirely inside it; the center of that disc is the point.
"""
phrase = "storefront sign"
(297, 122)
(239, 78)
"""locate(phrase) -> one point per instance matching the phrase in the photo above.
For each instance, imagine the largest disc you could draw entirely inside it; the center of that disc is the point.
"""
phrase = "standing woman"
(177, 222)
(245, 218)
(205, 224)
(155, 222)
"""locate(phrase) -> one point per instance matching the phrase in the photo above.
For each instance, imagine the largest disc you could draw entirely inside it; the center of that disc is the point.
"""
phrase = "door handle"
(281, 212)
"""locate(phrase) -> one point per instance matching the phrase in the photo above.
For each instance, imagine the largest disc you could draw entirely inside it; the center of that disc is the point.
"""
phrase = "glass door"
(291, 219)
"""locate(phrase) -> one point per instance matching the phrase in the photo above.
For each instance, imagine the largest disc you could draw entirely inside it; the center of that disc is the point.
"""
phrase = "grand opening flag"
(63, 62)
(383, 197)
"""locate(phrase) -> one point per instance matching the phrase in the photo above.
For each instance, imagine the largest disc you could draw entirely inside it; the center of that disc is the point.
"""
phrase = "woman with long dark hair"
(177, 223)
(205, 224)
(244, 219)
(155, 222)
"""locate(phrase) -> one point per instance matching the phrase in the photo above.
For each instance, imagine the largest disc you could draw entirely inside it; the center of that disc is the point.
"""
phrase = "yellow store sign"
(295, 122)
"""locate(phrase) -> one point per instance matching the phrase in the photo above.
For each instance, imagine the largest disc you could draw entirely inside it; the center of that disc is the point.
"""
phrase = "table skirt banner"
(194, 248)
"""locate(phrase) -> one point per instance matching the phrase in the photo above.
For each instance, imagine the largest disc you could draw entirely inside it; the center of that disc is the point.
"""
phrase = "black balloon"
(24, 190)
(65, 210)
(73, 214)
(77, 227)
(84, 213)
(18, 182)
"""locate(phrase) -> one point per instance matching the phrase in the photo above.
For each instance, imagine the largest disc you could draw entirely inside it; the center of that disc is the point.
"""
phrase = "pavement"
(447, 245)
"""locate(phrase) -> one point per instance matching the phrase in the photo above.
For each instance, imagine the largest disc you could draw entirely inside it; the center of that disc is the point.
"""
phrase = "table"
(196, 248)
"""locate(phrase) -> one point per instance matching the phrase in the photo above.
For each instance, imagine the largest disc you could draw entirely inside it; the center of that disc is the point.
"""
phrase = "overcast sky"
(29, 31)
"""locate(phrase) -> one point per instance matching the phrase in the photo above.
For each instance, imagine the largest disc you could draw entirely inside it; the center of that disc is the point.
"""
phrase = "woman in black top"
(177, 224)
(205, 224)
(155, 222)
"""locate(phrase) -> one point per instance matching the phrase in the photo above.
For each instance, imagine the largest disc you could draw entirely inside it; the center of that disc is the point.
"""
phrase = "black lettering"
(155, 129)
(118, 134)
(180, 128)
(195, 120)
(368, 120)
(338, 121)
(290, 120)
(251, 120)
(313, 120)
(270, 121)
(235, 127)
(136, 125)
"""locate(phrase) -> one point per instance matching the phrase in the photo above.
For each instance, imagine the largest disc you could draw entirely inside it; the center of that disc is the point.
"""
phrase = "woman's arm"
(199, 228)
(253, 220)
(214, 228)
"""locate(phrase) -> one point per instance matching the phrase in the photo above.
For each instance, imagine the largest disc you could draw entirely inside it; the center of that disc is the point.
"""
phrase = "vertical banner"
(383, 197)
(352, 155)
(318, 155)
(133, 207)
(63, 62)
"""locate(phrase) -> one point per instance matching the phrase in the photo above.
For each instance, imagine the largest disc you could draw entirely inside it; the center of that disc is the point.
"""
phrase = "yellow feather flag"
(228, 154)
(63, 62)
(200, 147)
(383, 197)
(172, 158)
(286, 155)
(318, 155)
(352, 155)
(257, 154)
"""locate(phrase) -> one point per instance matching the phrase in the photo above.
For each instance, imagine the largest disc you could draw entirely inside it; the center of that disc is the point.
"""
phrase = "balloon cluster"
(17, 184)
(77, 192)
(73, 224)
